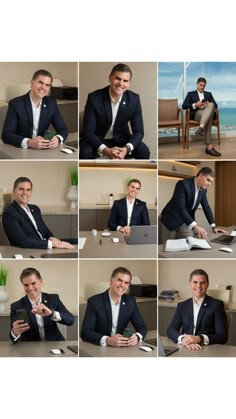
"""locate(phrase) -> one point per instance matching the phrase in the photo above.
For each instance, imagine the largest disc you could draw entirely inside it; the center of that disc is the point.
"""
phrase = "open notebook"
(189, 243)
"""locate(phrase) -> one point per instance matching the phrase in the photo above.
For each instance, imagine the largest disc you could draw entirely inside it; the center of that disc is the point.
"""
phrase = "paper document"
(179, 245)
(82, 241)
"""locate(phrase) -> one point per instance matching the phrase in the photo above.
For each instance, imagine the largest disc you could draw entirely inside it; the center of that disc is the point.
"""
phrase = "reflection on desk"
(9, 252)
(35, 349)
(10, 152)
(103, 247)
(87, 349)
(201, 254)
(207, 351)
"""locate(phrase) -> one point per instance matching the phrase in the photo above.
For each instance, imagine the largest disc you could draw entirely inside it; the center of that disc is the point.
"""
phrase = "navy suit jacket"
(98, 317)
(193, 97)
(211, 320)
(98, 119)
(119, 214)
(52, 332)
(20, 230)
(179, 210)
(19, 120)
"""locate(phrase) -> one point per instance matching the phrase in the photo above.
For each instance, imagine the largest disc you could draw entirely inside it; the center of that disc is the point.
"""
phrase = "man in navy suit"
(202, 105)
(108, 113)
(177, 219)
(129, 211)
(23, 223)
(29, 117)
(200, 320)
(43, 312)
(108, 314)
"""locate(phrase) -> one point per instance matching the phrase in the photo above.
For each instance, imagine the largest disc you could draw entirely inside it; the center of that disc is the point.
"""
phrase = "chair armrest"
(181, 112)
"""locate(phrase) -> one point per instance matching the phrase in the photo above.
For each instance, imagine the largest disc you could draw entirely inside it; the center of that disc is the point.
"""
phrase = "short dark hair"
(20, 180)
(30, 271)
(122, 271)
(134, 181)
(199, 272)
(206, 171)
(201, 79)
(124, 68)
(42, 72)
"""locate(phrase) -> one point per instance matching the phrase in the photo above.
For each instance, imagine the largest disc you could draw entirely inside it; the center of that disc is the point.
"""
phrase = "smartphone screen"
(22, 315)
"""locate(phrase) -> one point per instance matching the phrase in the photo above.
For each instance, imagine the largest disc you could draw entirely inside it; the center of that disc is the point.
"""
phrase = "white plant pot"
(72, 196)
(4, 297)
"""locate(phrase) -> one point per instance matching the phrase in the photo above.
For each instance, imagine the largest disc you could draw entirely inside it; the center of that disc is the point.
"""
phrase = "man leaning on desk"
(200, 320)
(41, 311)
(29, 116)
(129, 211)
(23, 223)
(108, 314)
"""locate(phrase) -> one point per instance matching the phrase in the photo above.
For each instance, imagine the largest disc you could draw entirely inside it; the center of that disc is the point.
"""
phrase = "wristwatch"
(129, 151)
(202, 339)
(52, 313)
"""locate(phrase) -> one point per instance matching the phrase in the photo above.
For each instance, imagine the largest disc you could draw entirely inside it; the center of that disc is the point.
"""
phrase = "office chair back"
(220, 294)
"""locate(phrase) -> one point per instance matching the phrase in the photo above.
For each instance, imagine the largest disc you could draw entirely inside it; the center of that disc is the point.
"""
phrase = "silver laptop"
(165, 350)
(142, 235)
(224, 239)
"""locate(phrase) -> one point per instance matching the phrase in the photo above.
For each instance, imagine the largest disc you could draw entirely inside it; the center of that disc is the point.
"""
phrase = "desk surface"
(87, 349)
(33, 349)
(207, 351)
(107, 249)
(8, 252)
(202, 254)
(10, 152)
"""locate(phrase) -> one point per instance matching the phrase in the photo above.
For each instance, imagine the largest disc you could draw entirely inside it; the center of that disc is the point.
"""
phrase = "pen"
(100, 241)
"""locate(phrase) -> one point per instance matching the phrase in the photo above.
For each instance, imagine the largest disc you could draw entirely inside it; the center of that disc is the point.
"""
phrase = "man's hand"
(42, 310)
(121, 153)
(19, 327)
(198, 104)
(194, 346)
(64, 245)
(37, 143)
(125, 229)
(192, 342)
(133, 340)
(54, 142)
(54, 241)
(117, 341)
(201, 232)
(111, 153)
(219, 230)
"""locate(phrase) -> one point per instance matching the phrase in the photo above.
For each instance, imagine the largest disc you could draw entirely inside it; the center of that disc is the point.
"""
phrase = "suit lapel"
(32, 317)
(135, 209)
(107, 304)
(29, 112)
(192, 191)
(42, 117)
(123, 310)
(122, 110)
(125, 210)
(23, 214)
(107, 106)
(201, 312)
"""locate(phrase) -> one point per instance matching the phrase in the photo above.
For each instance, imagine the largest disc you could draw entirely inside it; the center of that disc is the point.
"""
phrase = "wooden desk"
(8, 252)
(202, 254)
(87, 349)
(35, 349)
(108, 249)
(207, 351)
(8, 151)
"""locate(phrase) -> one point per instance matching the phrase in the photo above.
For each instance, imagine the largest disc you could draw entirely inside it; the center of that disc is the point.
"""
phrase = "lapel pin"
(124, 103)
(205, 304)
(123, 303)
(44, 106)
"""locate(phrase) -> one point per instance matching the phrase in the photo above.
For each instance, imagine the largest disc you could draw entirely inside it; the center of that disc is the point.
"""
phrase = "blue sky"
(220, 76)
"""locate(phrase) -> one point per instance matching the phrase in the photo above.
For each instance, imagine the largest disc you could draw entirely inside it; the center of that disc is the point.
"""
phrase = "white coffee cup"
(94, 232)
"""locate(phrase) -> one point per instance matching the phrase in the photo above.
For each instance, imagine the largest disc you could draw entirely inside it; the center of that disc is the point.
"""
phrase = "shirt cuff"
(180, 339)
(206, 339)
(15, 337)
(131, 146)
(49, 244)
(213, 225)
(100, 149)
(193, 106)
(56, 316)
(193, 224)
(103, 341)
(24, 143)
(60, 138)
(140, 336)
(117, 228)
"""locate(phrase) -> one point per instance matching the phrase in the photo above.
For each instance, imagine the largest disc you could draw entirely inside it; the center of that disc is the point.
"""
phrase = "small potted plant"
(3, 282)
(72, 194)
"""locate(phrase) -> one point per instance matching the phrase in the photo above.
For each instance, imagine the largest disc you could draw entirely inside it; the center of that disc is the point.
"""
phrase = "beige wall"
(100, 270)
(95, 76)
(94, 183)
(174, 274)
(58, 276)
(51, 179)
(21, 73)
(166, 185)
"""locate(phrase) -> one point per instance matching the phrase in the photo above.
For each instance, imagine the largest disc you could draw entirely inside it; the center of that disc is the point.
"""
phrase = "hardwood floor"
(196, 150)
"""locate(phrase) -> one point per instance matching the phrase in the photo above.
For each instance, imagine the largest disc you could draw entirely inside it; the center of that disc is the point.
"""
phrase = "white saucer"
(105, 234)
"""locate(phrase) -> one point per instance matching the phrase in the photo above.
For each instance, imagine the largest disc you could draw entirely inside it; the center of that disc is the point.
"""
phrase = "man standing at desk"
(43, 311)
(200, 320)
(129, 211)
(108, 314)
(108, 113)
(29, 117)
(177, 219)
(23, 223)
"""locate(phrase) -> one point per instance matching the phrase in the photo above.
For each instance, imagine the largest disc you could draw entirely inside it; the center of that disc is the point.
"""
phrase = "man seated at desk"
(129, 211)
(43, 312)
(200, 320)
(29, 117)
(108, 314)
(23, 223)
